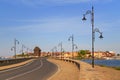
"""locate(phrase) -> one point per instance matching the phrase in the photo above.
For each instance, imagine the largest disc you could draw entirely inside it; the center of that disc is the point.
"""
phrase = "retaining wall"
(12, 61)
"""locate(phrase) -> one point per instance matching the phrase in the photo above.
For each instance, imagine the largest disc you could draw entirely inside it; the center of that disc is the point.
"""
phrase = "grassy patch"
(102, 66)
(117, 68)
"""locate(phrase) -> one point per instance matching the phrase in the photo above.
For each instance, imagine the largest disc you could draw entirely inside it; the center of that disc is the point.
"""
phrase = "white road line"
(16, 67)
(26, 72)
(56, 73)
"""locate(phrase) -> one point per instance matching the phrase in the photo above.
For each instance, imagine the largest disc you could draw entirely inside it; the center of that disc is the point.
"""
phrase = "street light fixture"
(28, 50)
(52, 52)
(75, 46)
(23, 46)
(15, 43)
(55, 51)
(91, 12)
(72, 38)
(60, 44)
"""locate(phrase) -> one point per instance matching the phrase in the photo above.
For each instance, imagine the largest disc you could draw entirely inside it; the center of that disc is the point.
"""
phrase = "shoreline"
(116, 68)
(98, 72)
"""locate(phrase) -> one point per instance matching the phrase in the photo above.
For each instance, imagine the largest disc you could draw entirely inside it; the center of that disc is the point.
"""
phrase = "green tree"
(118, 54)
(82, 53)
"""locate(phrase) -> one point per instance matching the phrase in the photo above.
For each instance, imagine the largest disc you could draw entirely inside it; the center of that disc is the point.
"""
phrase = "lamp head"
(76, 47)
(11, 49)
(101, 36)
(84, 18)
(69, 39)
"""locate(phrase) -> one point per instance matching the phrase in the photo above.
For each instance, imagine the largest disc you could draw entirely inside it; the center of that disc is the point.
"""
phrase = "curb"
(59, 69)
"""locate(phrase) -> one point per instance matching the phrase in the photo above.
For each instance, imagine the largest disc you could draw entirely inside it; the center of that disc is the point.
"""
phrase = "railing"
(77, 63)
(12, 61)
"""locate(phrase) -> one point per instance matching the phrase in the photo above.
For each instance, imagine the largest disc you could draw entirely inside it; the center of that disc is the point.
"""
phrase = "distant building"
(37, 52)
(101, 54)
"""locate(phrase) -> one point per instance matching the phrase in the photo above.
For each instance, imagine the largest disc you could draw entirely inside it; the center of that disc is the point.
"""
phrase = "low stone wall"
(77, 63)
(12, 61)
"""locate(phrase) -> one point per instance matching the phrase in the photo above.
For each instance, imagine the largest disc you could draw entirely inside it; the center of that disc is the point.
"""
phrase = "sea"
(110, 63)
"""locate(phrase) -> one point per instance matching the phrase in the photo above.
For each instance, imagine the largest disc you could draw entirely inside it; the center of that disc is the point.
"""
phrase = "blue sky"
(46, 23)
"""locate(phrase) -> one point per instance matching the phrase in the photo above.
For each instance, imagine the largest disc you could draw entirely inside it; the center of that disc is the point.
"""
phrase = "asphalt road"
(39, 69)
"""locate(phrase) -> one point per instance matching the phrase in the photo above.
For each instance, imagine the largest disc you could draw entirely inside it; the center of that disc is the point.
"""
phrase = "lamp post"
(72, 39)
(52, 52)
(15, 42)
(75, 46)
(60, 44)
(55, 51)
(91, 12)
(23, 46)
(28, 50)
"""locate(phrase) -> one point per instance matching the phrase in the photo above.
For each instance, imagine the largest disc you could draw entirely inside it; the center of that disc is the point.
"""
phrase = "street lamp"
(60, 44)
(72, 38)
(75, 46)
(52, 52)
(23, 46)
(15, 42)
(28, 50)
(91, 12)
(55, 51)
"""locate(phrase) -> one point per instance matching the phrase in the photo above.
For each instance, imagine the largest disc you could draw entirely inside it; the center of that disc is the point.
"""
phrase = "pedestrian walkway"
(67, 71)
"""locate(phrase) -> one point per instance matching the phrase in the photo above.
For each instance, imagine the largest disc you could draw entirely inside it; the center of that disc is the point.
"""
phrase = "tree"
(82, 53)
(118, 54)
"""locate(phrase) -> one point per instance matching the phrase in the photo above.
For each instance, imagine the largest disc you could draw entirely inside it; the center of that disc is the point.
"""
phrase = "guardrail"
(77, 63)
(12, 61)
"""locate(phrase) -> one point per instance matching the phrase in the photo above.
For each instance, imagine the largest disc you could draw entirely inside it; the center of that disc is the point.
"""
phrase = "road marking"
(56, 73)
(26, 72)
(16, 67)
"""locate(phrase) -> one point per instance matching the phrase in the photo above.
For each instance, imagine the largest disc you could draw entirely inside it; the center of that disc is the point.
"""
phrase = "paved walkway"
(67, 71)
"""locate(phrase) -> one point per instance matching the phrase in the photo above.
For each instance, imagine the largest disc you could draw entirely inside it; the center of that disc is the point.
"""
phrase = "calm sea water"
(111, 63)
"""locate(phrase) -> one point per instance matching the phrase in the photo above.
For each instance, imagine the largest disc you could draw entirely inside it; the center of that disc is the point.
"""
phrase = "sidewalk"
(67, 71)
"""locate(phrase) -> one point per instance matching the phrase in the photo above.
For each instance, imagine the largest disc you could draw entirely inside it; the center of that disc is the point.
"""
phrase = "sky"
(46, 23)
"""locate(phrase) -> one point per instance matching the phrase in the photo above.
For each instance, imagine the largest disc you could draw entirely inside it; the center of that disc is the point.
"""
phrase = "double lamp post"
(91, 12)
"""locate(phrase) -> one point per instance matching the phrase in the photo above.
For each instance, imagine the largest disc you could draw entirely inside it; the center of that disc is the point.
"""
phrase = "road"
(39, 69)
